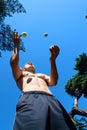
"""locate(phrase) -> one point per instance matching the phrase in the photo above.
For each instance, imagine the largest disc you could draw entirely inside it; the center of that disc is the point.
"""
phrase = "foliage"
(77, 85)
(80, 123)
(81, 63)
(7, 9)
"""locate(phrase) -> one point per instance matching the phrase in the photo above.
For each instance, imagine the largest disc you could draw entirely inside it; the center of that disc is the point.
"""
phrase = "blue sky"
(65, 23)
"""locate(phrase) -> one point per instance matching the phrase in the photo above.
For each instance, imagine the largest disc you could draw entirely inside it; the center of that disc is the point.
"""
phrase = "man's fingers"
(15, 35)
(16, 38)
(54, 49)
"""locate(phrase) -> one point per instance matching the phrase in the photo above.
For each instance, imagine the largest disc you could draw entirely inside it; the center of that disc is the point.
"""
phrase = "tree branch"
(78, 111)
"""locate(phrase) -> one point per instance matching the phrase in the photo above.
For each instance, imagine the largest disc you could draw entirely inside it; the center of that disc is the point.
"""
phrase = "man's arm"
(53, 69)
(14, 60)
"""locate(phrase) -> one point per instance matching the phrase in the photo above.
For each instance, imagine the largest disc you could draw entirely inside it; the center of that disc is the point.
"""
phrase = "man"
(37, 108)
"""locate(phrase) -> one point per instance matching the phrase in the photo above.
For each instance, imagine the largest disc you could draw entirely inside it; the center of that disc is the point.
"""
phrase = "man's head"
(29, 67)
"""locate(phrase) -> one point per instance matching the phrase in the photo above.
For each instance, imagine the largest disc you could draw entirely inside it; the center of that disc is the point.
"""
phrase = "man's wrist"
(52, 60)
(16, 44)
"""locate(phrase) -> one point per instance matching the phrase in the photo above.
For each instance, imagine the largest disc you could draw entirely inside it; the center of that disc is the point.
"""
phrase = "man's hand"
(16, 38)
(54, 49)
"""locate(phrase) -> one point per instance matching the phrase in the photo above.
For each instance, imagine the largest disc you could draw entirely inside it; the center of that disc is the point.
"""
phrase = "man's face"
(29, 67)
